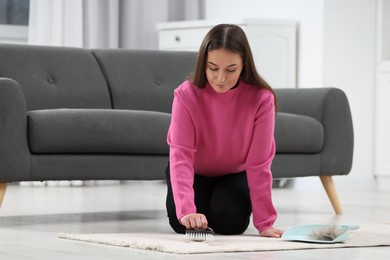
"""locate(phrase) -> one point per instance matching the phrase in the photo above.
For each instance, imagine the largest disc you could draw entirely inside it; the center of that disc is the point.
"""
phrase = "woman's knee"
(228, 221)
(230, 228)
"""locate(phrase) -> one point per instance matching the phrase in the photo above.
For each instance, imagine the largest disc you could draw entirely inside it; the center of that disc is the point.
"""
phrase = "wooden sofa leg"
(3, 187)
(330, 189)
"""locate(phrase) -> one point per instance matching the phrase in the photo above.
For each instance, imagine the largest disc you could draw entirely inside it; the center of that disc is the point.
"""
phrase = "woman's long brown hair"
(229, 37)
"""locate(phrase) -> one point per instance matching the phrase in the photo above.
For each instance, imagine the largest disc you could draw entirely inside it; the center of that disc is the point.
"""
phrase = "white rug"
(368, 235)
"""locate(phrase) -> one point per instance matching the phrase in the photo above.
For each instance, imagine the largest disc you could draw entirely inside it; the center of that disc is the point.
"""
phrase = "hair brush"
(200, 235)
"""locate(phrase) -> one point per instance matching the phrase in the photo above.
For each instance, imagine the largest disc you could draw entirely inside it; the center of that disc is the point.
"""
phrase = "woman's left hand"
(272, 232)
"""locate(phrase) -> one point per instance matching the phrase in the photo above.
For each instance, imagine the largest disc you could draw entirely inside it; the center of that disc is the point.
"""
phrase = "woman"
(221, 141)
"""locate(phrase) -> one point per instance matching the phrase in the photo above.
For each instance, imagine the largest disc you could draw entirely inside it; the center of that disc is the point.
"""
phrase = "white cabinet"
(273, 43)
(382, 94)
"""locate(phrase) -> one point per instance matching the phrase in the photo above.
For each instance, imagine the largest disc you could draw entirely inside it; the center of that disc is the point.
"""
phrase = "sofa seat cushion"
(90, 131)
(298, 134)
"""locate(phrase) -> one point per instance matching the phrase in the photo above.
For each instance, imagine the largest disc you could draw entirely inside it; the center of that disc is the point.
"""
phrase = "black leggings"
(225, 202)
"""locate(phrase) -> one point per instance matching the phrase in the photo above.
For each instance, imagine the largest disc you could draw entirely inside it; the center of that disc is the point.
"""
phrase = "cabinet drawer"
(182, 39)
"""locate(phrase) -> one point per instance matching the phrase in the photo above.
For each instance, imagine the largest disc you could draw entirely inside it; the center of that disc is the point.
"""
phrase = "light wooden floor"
(31, 216)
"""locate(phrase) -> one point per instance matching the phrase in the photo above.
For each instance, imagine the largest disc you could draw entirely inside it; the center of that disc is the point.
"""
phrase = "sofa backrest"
(144, 79)
(55, 77)
(65, 77)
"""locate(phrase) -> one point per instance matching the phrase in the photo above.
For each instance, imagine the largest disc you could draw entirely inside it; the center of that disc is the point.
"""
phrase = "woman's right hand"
(196, 220)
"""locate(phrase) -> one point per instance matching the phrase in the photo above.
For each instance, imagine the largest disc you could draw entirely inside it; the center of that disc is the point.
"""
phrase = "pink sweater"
(213, 134)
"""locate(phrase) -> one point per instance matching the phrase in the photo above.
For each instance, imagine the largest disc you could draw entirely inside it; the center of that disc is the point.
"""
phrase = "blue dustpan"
(303, 233)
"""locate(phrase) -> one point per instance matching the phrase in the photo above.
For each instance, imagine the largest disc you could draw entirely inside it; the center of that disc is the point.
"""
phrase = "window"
(14, 12)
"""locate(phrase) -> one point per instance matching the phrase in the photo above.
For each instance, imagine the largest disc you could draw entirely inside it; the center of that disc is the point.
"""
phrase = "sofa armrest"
(14, 152)
(330, 106)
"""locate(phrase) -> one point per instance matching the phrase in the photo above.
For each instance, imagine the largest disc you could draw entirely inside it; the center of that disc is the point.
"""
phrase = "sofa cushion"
(298, 134)
(116, 131)
(144, 79)
(55, 77)
(90, 131)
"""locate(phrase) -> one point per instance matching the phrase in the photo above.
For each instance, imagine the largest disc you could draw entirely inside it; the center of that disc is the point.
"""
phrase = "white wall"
(336, 48)
(349, 63)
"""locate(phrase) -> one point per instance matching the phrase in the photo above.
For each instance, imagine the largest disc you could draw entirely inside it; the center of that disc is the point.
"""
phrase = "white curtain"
(76, 23)
(106, 23)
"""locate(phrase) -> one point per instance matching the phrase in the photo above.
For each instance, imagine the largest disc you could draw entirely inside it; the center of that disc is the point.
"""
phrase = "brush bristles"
(200, 234)
(199, 237)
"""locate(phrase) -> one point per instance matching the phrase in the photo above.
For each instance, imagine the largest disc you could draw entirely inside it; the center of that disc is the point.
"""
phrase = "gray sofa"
(77, 114)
